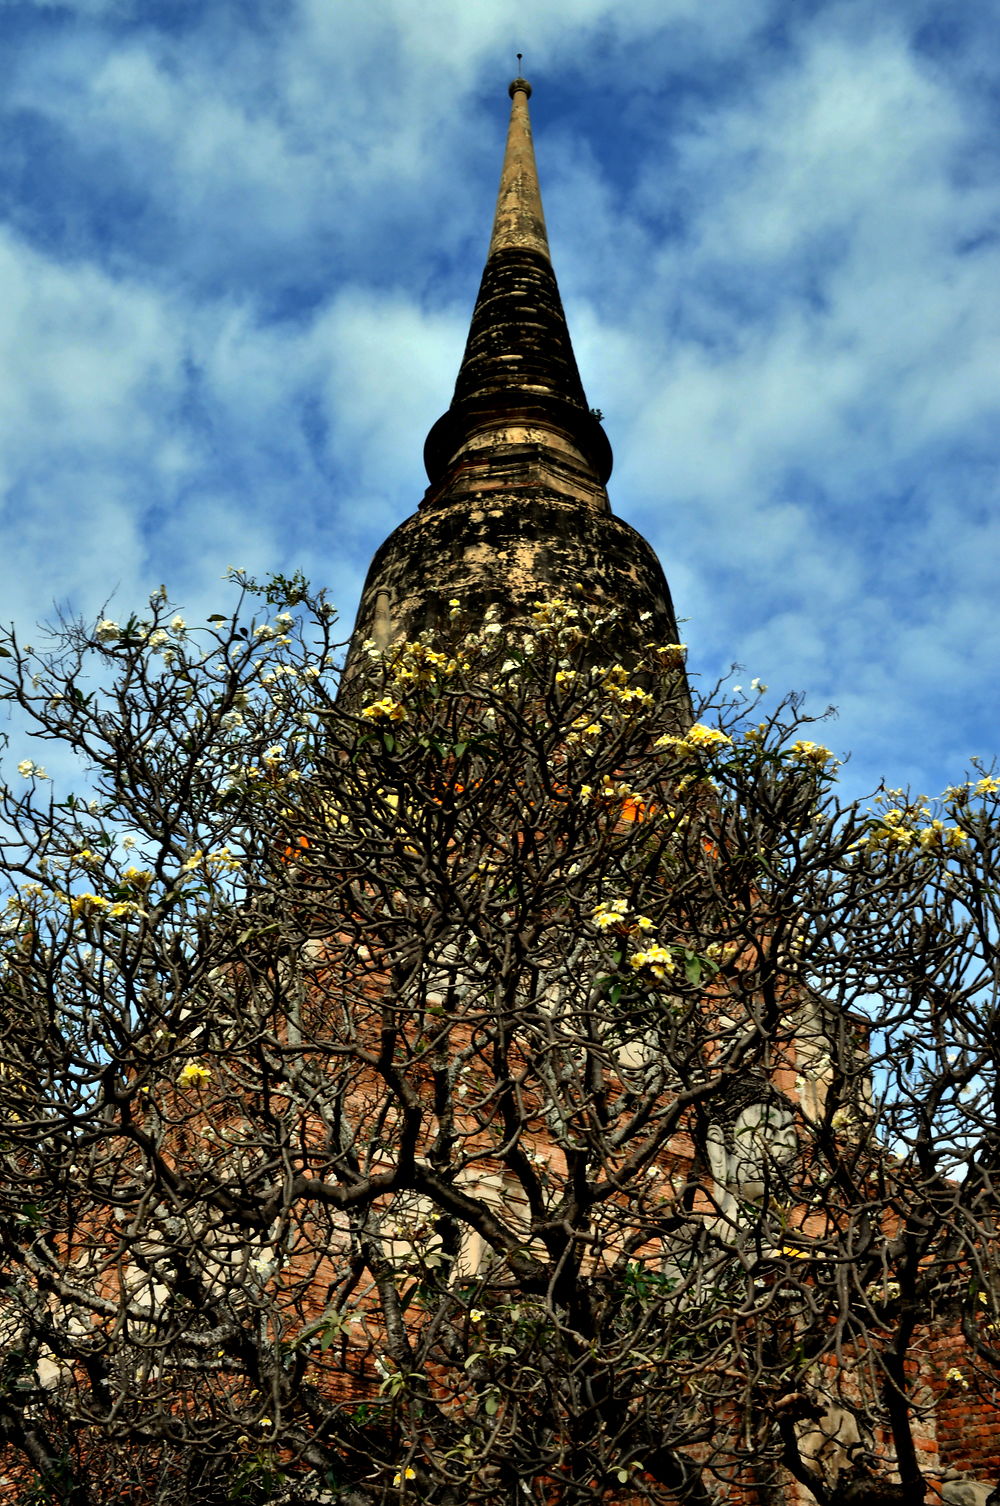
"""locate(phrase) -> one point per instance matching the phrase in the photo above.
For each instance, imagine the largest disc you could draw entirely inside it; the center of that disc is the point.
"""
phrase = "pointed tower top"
(518, 364)
(517, 504)
(520, 221)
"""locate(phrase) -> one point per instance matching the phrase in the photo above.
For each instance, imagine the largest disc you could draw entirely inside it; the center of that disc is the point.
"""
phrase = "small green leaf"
(692, 969)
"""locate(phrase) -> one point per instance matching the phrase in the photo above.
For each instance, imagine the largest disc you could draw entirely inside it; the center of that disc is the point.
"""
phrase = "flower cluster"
(95, 906)
(988, 784)
(656, 959)
(812, 755)
(555, 612)
(584, 732)
(385, 710)
(670, 655)
(611, 791)
(619, 689)
(911, 827)
(414, 662)
(610, 913)
(697, 739)
(618, 912)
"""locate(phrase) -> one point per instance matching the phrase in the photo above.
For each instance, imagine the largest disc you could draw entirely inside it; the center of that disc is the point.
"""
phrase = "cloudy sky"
(240, 243)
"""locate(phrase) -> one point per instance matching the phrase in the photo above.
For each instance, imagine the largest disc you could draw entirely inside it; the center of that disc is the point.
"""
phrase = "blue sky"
(239, 246)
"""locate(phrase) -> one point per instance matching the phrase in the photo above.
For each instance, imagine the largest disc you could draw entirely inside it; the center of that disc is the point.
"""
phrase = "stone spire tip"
(520, 221)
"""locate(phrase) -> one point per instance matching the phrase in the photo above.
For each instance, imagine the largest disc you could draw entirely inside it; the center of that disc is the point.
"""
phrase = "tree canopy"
(496, 1081)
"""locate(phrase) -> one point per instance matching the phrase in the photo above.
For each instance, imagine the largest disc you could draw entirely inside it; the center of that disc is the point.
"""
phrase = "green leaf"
(389, 741)
(5, 653)
(218, 617)
(692, 969)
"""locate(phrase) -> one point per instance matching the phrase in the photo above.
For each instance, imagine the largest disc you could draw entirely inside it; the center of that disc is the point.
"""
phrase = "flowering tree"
(492, 1084)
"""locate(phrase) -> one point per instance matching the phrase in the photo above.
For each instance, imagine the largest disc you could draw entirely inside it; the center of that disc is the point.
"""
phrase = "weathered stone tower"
(516, 505)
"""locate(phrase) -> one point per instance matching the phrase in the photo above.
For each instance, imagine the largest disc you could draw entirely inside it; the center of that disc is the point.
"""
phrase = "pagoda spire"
(518, 360)
(519, 219)
(517, 506)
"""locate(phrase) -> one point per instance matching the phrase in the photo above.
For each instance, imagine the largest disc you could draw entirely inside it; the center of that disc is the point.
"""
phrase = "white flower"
(264, 632)
(177, 625)
(107, 630)
(28, 769)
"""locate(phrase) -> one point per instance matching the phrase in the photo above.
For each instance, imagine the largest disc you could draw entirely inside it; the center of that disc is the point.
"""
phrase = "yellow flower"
(404, 1474)
(224, 859)
(476, 1315)
(87, 904)
(697, 739)
(194, 1075)
(609, 913)
(656, 959)
(385, 710)
(811, 754)
(701, 736)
